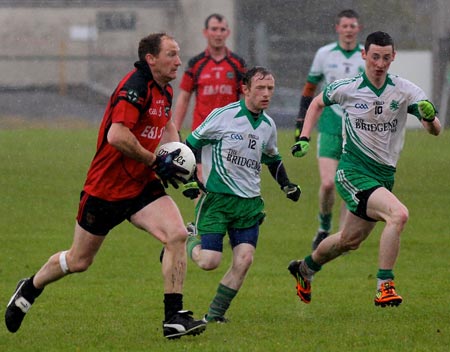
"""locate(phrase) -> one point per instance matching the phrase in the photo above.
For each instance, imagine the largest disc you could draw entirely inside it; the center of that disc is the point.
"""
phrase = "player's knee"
(207, 266)
(242, 263)
(327, 185)
(209, 263)
(245, 260)
(400, 217)
(78, 265)
(208, 259)
(175, 237)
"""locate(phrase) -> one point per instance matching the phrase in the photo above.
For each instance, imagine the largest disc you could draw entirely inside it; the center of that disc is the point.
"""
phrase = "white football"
(185, 159)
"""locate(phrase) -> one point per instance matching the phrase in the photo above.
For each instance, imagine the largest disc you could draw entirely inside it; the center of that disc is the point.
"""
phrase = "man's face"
(217, 33)
(348, 29)
(378, 60)
(166, 63)
(258, 95)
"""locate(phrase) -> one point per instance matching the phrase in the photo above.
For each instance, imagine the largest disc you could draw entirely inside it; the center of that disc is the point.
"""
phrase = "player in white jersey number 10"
(376, 105)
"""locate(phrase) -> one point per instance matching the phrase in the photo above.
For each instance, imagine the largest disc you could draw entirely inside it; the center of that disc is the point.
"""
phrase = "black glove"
(167, 171)
(191, 189)
(292, 191)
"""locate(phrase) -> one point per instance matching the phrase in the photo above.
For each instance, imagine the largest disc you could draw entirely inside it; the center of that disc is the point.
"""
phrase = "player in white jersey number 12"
(235, 141)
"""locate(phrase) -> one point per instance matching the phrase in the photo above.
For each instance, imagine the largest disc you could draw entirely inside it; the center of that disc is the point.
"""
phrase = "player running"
(235, 141)
(375, 105)
(333, 61)
(125, 182)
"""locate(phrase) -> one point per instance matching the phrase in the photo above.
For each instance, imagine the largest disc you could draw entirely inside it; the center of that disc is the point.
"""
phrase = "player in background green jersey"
(340, 59)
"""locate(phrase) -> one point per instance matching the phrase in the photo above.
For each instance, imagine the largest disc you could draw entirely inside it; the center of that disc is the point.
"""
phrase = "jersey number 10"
(378, 110)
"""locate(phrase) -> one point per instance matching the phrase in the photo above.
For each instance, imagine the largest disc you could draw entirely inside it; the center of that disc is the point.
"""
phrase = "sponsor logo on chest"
(214, 89)
(159, 110)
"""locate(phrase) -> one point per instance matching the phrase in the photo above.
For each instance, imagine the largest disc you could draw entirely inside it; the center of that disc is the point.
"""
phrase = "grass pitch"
(117, 305)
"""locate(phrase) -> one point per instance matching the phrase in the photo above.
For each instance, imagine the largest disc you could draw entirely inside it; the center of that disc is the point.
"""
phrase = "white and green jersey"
(331, 63)
(234, 145)
(374, 119)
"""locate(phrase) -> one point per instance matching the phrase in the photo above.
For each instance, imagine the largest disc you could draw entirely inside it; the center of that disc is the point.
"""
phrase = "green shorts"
(329, 146)
(355, 188)
(216, 213)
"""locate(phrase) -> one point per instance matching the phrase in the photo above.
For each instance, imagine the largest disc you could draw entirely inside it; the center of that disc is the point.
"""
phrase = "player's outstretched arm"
(315, 109)
(312, 115)
(305, 100)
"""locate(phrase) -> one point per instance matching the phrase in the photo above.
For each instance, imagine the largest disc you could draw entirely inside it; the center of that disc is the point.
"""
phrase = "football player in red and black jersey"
(215, 75)
(126, 181)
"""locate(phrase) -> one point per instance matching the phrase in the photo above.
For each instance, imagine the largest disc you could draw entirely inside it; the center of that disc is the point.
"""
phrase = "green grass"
(117, 304)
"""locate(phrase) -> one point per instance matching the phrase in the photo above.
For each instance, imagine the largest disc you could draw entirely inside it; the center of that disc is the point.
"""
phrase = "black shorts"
(99, 216)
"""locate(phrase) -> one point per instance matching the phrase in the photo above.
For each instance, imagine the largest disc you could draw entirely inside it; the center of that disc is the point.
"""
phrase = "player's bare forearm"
(170, 133)
(433, 127)
(121, 138)
(181, 108)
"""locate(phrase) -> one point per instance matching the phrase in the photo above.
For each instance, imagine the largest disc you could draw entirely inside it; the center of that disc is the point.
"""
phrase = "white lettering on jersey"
(159, 110)
(225, 89)
(235, 159)
(152, 132)
(391, 126)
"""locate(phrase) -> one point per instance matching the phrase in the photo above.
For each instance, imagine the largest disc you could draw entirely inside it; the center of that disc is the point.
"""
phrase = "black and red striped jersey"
(140, 104)
(215, 83)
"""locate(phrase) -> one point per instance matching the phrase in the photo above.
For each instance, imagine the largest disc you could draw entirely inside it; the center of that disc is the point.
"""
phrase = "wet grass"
(117, 305)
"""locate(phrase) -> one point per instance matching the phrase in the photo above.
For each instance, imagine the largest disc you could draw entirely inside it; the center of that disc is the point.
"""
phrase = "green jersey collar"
(378, 91)
(347, 53)
(255, 122)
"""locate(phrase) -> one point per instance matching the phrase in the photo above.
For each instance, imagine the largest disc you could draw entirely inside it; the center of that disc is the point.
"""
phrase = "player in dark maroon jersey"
(215, 75)
(125, 182)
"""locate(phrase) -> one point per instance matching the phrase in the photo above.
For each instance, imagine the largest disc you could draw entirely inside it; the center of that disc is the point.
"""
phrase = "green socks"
(308, 267)
(221, 302)
(192, 241)
(312, 264)
(384, 275)
(325, 222)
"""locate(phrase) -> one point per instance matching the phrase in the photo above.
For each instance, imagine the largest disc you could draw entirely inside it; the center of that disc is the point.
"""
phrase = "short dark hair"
(151, 44)
(378, 38)
(217, 16)
(348, 13)
(247, 79)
